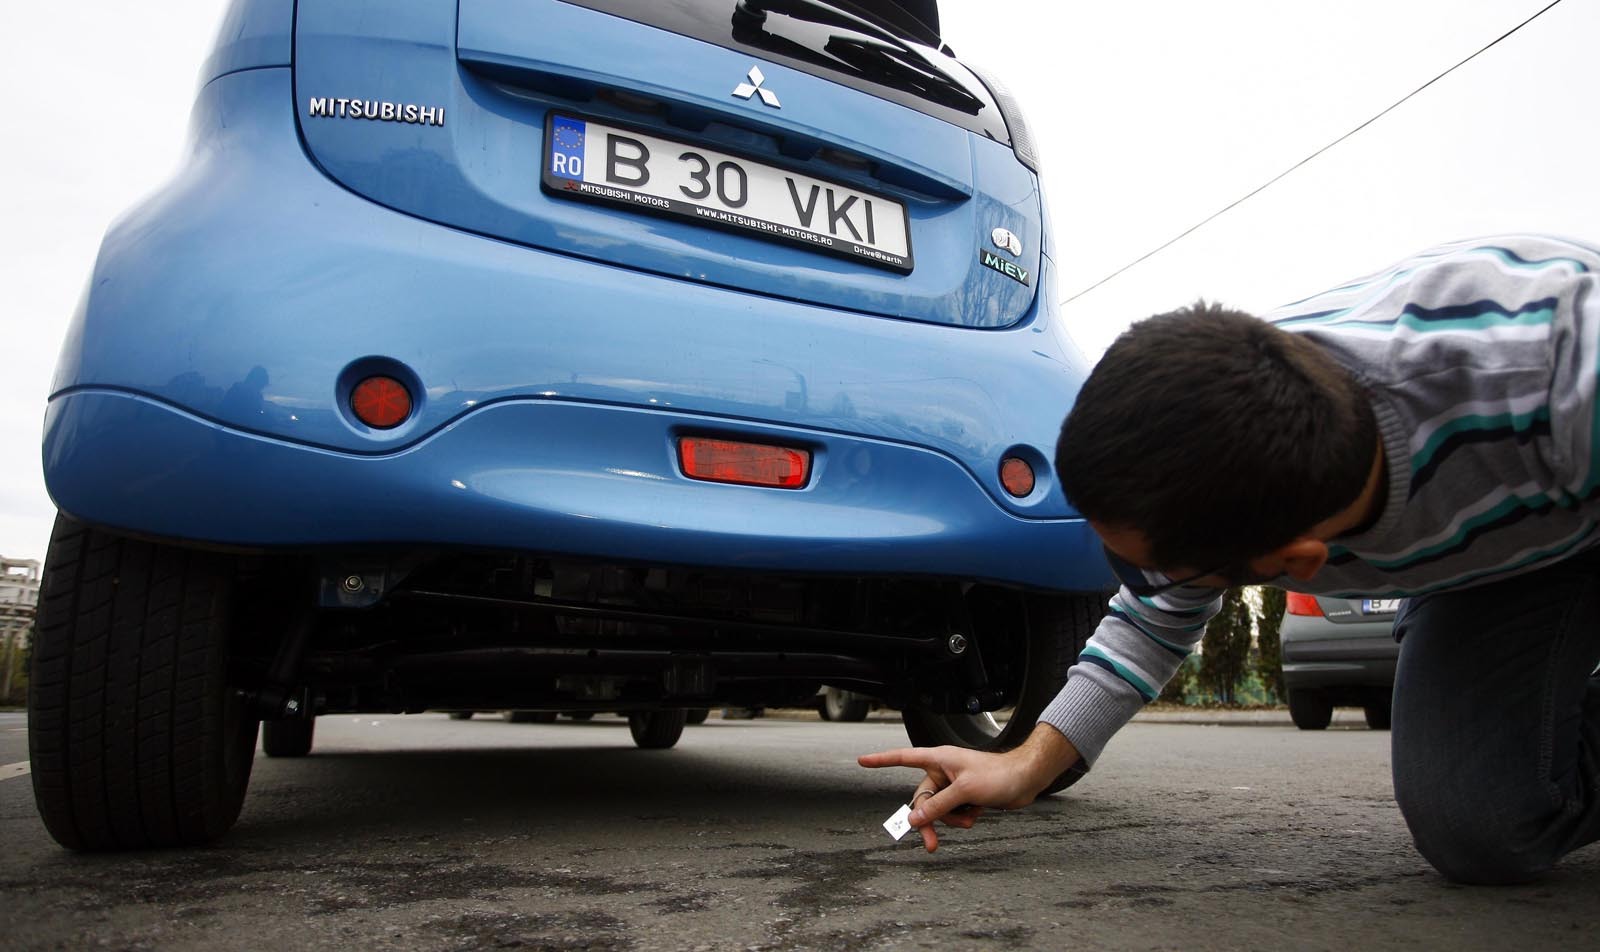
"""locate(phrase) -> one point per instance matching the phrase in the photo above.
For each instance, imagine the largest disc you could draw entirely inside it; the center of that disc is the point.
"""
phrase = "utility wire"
(1267, 184)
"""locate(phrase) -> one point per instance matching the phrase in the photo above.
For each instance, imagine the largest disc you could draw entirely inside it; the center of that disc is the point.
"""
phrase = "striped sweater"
(1481, 360)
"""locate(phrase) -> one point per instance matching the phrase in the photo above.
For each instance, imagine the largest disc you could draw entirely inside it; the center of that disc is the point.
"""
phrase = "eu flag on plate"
(566, 147)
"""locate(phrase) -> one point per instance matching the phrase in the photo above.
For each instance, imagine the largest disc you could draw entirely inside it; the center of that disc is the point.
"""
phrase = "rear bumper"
(1371, 673)
(555, 477)
(1320, 654)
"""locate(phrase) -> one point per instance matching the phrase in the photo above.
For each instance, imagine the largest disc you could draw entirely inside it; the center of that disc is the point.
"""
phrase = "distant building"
(19, 600)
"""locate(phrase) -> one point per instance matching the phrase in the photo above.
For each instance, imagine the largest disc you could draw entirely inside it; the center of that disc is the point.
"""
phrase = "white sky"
(1150, 115)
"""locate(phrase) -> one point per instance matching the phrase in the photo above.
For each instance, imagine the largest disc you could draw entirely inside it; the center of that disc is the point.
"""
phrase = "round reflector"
(1016, 476)
(381, 402)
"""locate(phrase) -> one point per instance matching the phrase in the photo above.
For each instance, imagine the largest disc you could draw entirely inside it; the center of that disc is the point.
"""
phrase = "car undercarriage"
(416, 631)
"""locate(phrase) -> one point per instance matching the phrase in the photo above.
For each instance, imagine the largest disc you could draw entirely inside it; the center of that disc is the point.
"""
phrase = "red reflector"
(381, 402)
(1300, 604)
(1016, 476)
(751, 464)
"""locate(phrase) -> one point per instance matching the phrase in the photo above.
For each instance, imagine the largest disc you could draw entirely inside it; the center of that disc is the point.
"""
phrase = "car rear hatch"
(835, 162)
(1359, 611)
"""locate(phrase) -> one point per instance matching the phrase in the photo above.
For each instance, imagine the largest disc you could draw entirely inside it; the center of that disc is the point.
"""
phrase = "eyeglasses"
(1127, 572)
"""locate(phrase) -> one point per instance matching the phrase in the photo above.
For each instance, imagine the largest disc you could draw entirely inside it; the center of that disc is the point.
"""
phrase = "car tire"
(1379, 715)
(841, 705)
(288, 738)
(656, 730)
(1057, 628)
(697, 715)
(529, 717)
(461, 715)
(1310, 710)
(135, 736)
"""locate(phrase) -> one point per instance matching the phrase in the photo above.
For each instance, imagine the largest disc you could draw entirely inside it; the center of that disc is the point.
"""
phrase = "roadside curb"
(1221, 718)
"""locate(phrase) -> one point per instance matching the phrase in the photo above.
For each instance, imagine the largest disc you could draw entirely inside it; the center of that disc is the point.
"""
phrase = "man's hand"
(961, 781)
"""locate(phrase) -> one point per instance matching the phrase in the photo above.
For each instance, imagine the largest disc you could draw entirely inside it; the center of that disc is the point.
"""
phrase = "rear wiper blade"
(893, 62)
(892, 67)
(754, 13)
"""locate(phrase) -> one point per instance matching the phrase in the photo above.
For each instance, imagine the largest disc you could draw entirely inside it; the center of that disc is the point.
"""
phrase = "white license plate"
(1379, 606)
(592, 160)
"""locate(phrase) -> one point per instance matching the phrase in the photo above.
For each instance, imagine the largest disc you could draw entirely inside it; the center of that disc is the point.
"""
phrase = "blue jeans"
(1497, 723)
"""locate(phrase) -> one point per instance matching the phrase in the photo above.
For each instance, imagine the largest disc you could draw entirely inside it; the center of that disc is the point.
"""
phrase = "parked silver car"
(1339, 652)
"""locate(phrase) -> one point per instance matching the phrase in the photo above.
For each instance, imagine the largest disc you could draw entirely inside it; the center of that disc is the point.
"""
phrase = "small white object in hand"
(899, 824)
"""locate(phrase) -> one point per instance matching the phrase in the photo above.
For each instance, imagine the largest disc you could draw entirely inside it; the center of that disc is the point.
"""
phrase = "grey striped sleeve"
(1134, 652)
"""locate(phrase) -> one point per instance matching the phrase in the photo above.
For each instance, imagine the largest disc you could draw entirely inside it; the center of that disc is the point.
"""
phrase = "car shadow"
(504, 789)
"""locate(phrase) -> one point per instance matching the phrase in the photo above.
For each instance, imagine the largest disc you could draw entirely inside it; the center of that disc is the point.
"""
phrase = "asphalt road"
(423, 833)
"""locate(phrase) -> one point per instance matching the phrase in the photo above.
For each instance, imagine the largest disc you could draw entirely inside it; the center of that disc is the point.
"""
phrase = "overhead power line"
(1267, 184)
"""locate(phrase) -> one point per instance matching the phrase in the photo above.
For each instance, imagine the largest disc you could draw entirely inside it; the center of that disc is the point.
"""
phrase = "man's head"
(1209, 438)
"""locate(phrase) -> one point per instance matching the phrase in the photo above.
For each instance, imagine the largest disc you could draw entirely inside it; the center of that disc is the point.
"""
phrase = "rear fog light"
(747, 464)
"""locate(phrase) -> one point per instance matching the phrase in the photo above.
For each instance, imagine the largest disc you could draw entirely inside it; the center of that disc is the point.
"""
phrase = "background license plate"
(592, 160)
(1379, 606)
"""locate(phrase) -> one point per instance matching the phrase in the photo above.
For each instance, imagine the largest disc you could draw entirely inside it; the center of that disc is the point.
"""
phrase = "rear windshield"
(842, 42)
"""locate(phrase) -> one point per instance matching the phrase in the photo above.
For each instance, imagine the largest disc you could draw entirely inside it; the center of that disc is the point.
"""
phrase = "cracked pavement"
(416, 832)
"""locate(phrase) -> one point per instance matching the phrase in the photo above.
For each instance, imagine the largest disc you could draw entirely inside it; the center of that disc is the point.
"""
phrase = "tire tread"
(128, 732)
(657, 730)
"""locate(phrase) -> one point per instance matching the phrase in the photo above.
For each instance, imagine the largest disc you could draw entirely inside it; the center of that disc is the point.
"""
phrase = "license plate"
(1379, 606)
(593, 160)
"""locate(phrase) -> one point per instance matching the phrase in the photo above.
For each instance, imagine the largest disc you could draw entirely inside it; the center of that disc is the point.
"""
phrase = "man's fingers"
(928, 805)
(929, 809)
(963, 816)
(904, 757)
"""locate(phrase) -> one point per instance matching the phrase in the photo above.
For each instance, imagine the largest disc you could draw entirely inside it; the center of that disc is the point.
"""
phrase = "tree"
(11, 683)
(1269, 657)
(1225, 649)
(1177, 689)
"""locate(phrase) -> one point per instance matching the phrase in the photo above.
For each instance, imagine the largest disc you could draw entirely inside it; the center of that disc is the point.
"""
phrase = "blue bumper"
(199, 396)
(552, 477)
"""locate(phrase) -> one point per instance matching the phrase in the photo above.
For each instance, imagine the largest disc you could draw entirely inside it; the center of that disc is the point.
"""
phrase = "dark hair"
(1217, 436)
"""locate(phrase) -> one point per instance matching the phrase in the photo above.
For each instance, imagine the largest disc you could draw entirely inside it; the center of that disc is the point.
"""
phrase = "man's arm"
(1135, 650)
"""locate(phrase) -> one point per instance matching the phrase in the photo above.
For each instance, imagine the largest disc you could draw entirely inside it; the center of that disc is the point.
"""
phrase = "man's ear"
(1303, 558)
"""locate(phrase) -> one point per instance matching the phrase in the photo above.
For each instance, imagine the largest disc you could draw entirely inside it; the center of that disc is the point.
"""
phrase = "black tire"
(1379, 715)
(1310, 710)
(841, 705)
(1057, 627)
(656, 730)
(696, 715)
(529, 717)
(135, 736)
(288, 738)
(461, 715)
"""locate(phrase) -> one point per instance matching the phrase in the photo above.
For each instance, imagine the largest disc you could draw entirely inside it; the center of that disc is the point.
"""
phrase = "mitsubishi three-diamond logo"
(746, 90)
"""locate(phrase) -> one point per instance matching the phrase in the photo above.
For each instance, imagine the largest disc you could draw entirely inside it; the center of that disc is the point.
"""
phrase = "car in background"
(1338, 652)
(556, 355)
(837, 704)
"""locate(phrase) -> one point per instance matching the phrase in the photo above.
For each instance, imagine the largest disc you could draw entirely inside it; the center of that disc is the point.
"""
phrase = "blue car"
(556, 355)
